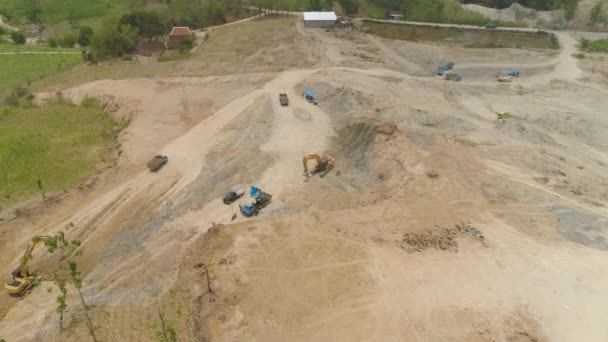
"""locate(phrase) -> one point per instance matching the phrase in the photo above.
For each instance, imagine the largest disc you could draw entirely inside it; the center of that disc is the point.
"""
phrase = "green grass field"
(59, 144)
(56, 14)
(599, 45)
(17, 70)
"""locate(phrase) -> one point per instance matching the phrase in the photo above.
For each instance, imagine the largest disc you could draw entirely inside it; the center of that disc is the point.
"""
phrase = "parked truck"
(233, 194)
(284, 99)
(260, 200)
(453, 77)
(157, 162)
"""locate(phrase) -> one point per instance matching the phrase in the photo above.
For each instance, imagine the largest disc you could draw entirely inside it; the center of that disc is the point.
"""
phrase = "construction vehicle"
(157, 162)
(235, 193)
(260, 200)
(513, 72)
(448, 66)
(442, 69)
(310, 97)
(283, 99)
(453, 77)
(503, 116)
(504, 78)
(22, 280)
(324, 164)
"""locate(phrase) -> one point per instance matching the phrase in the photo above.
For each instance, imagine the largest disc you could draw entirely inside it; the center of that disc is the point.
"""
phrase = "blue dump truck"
(260, 200)
(442, 69)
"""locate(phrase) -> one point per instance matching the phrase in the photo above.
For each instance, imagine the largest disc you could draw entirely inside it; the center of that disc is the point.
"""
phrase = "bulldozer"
(324, 164)
(22, 280)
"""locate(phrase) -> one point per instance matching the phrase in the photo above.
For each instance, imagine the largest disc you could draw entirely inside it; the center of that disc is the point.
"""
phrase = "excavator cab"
(19, 283)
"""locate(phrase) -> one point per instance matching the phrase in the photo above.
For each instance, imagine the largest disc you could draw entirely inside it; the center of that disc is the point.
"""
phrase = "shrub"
(18, 37)
(53, 42)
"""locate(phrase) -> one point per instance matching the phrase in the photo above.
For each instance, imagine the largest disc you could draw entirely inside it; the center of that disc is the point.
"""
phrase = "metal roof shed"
(320, 19)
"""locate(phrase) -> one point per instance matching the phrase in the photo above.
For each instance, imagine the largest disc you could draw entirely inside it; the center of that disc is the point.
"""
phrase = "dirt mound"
(440, 238)
(517, 13)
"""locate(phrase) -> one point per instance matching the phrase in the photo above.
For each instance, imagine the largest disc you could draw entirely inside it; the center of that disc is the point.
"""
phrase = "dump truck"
(233, 194)
(283, 99)
(260, 200)
(310, 97)
(448, 66)
(453, 77)
(157, 162)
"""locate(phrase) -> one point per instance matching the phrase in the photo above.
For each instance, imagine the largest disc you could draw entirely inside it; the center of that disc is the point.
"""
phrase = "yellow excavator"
(21, 276)
(324, 164)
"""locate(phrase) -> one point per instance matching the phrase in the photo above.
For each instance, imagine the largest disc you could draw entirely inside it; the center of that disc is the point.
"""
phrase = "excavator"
(324, 164)
(21, 276)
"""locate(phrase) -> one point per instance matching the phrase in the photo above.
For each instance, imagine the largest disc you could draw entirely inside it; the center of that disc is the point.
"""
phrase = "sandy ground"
(326, 260)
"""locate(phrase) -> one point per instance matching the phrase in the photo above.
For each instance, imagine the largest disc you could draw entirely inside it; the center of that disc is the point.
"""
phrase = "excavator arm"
(21, 276)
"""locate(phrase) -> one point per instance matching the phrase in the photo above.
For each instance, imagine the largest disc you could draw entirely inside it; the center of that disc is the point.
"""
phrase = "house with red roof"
(178, 33)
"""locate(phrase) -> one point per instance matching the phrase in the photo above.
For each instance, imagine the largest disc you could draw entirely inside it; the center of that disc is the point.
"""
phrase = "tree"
(148, 24)
(84, 35)
(315, 5)
(596, 14)
(349, 6)
(213, 13)
(75, 275)
(18, 37)
(112, 42)
(61, 302)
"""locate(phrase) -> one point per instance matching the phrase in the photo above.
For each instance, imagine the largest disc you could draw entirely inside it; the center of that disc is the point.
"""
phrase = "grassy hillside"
(17, 70)
(59, 144)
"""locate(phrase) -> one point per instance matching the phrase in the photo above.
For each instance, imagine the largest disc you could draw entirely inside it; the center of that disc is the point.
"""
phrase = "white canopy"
(313, 16)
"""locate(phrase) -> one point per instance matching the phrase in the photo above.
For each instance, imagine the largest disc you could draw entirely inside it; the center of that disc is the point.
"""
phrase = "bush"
(554, 41)
(579, 55)
(186, 44)
(18, 37)
(84, 36)
(16, 94)
(67, 41)
(53, 42)
(2, 30)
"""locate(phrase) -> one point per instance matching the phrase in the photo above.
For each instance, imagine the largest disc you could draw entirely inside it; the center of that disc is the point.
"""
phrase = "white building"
(320, 19)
